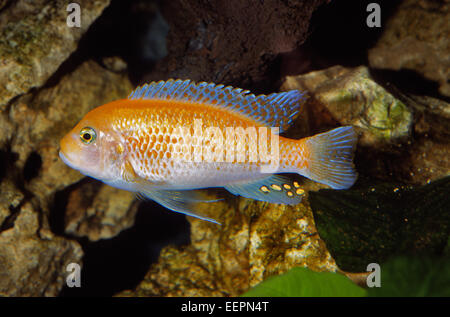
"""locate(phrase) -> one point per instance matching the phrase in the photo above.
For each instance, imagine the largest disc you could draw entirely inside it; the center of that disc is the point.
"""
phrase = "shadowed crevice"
(120, 263)
(32, 166)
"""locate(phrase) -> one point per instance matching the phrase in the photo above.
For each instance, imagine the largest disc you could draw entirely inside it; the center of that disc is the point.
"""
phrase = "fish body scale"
(157, 133)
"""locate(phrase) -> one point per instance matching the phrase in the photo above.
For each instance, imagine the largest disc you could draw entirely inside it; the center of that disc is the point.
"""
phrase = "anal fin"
(277, 189)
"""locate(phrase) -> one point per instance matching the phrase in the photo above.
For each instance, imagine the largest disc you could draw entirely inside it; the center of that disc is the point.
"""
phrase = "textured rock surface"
(42, 119)
(33, 260)
(35, 40)
(401, 137)
(429, 151)
(417, 38)
(99, 211)
(230, 42)
(352, 97)
(10, 200)
(256, 240)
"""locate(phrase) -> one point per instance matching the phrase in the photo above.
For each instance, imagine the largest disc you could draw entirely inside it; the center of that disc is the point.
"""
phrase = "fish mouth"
(82, 171)
(66, 160)
(70, 164)
(63, 157)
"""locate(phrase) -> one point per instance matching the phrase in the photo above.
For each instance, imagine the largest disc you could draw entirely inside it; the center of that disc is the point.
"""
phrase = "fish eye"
(87, 135)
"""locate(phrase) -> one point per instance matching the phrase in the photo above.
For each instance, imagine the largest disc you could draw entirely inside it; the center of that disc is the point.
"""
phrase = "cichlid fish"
(171, 138)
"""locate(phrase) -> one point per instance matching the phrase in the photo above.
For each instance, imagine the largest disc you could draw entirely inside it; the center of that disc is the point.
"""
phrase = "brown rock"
(220, 41)
(35, 40)
(256, 240)
(115, 64)
(32, 260)
(340, 96)
(41, 120)
(429, 151)
(3, 3)
(99, 211)
(417, 38)
(402, 138)
(7, 129)
(10, 199)
(31, 264)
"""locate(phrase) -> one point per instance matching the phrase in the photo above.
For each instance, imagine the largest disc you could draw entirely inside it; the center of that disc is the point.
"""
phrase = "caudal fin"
(330, 158)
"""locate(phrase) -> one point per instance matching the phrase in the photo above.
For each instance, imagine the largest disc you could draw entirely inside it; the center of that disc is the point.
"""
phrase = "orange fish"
(171, 138)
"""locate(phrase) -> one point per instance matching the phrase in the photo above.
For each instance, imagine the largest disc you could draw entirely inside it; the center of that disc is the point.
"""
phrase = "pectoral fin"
(183, 201)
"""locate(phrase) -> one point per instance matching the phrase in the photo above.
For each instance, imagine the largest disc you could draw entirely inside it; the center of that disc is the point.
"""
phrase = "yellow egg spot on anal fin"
(275, 187)
(287, 186)
(296, 184)
(270, 189)
(264, 189)
(299, 191)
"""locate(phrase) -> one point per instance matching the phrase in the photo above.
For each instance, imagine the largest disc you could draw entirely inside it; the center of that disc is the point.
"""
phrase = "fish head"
(93, 148)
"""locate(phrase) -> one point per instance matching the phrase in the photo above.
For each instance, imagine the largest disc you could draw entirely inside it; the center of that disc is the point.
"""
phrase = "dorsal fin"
(274, 110)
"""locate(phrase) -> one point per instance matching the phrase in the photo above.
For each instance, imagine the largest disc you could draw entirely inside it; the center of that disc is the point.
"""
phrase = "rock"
(99, 211)
(352, 97)
(35, 40)
(429, 152)
(403, 137)
(221, 42)
(256, 240)
(33, 260)
(417, 38)
(115, 64)
(3, 3)
(33, 263)
(7, 129)
(42, 119)
(10, 199)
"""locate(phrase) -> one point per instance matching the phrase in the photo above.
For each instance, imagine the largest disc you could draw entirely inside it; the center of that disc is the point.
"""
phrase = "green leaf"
(406, 276)
(302, 282)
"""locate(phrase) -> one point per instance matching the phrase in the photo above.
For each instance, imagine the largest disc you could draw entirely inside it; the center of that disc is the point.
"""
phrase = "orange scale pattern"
(162, 142)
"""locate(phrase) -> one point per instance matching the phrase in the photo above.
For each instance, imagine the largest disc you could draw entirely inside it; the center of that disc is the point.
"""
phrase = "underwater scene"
(211, 148)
